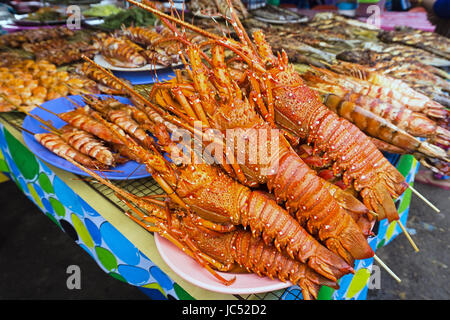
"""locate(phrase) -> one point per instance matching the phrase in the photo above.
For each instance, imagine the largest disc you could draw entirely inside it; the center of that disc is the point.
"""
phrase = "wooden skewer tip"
(408, 236)
(385, 267)
(424, 199)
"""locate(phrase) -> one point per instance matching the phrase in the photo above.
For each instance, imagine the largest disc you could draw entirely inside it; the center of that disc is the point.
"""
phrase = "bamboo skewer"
(424, 199)
(408, 236)
(385, 267)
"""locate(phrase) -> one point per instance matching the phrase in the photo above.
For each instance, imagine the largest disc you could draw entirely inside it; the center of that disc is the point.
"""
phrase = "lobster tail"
(379, 200)
(266, 217)
(316, 209)
(266, 260)
(355, 208)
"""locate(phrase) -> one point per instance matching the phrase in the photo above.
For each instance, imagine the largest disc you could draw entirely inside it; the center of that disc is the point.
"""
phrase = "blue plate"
(128, 170)
(146, 77)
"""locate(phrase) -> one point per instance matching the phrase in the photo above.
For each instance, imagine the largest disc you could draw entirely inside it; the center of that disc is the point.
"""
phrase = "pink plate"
(190, 270)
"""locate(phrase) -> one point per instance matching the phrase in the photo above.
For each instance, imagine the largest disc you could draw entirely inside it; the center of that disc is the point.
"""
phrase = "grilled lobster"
(216, 197)
(278, 167)
(228, 250)
(299, 111)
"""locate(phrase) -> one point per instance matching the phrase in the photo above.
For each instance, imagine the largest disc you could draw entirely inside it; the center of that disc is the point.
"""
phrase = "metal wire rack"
(140, 188)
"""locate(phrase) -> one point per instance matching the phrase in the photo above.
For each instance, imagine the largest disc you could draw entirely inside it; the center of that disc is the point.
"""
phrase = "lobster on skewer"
(219, 199)
(227, 250)
(282, 90)
(281, 169)
(160, 46)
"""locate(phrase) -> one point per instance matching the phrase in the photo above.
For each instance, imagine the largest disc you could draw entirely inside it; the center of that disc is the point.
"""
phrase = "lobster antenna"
(424, 199)
(127, 88)
(160, 14)
(137, 150)
(239, 28)
(22, 128)
(385, 267)
(73, 102)
(164, 17)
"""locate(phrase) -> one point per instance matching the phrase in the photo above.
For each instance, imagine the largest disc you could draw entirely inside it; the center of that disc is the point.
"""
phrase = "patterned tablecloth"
(126, 251)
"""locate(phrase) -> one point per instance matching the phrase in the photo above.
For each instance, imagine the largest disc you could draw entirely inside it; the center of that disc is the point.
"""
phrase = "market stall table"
(93, 217)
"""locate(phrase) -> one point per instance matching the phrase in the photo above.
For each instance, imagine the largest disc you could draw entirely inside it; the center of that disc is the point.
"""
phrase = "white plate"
(99, 59)
(191, 271)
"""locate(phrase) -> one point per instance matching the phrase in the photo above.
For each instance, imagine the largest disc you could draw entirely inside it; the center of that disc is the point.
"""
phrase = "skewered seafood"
(59, 146)
(417, 124)
(310, 201)
(103, 83)
(122, 53)
(373, 176)
(117, 114)
(377, 85)
(378, 127)
(60, 51)
(217, 248)
(159, 49)
(413, 70)
(80, 118)
(207, 8)
(88, 145)
(220, 199)
(16, 39)
(159, 44)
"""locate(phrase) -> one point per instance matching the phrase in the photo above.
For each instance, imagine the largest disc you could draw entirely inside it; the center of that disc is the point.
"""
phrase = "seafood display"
(135, 47)
(216, 7)
(384, 105)
(84, 139)
(103, 83)
(329, 39)
(376, 180)
(214, 196)
(428, 41)
(17, 39)
(268, 142)
(122, 53)
(420, 76)
(60, 51)
(275, 171)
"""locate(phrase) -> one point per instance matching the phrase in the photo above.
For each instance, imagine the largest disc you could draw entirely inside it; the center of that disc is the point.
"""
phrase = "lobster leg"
(185, 244)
